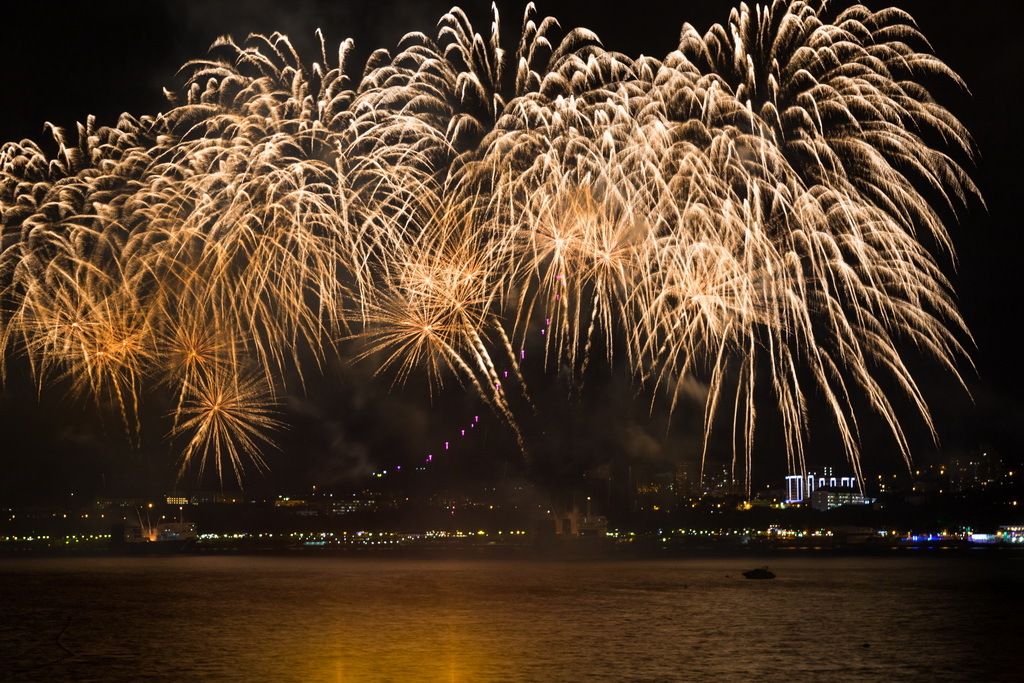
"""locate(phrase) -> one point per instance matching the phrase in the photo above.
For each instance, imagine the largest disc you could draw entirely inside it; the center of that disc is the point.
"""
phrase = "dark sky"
(64, 61)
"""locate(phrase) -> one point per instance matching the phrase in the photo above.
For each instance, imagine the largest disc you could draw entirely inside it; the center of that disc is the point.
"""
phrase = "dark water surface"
(824, 618)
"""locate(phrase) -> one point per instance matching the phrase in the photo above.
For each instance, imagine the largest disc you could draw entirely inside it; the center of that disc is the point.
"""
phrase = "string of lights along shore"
(763, 210)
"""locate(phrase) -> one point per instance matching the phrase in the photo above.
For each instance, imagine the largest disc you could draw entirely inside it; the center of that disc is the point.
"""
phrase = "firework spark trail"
(225, 414)
(752, 211)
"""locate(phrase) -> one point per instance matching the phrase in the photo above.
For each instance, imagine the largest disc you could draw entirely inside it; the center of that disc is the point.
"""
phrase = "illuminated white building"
(801, 488)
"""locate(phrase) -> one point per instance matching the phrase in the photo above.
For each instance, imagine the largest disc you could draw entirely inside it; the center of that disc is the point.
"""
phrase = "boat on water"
(166, 537)
(759, 573)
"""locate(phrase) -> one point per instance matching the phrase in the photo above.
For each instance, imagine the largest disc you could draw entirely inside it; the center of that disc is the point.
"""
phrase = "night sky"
(63, 62)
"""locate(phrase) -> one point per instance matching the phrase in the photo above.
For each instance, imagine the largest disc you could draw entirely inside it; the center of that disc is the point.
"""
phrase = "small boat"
(759, 573)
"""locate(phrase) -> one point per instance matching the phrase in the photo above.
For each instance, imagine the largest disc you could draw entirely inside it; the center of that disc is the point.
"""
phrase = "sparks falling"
(758, 210)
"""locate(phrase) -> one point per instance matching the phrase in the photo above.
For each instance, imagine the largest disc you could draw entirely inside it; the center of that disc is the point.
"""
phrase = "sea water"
(228, 618)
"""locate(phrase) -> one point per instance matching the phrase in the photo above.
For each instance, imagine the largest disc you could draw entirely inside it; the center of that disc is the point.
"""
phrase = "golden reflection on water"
(421, 628)
(333, 619)
(447, 652)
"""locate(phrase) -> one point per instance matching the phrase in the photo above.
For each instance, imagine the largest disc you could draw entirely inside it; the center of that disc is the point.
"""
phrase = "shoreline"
(589, 549)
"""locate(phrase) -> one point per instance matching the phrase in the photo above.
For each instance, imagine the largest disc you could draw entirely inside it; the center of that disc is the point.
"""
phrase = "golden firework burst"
(753, 210)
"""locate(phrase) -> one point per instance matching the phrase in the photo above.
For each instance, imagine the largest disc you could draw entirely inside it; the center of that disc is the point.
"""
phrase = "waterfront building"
(828, 497)
(801, 488)
(1011, 534)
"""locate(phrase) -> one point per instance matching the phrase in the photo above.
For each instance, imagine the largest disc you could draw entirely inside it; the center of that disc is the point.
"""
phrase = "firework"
(225, 414)
(752, 211)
